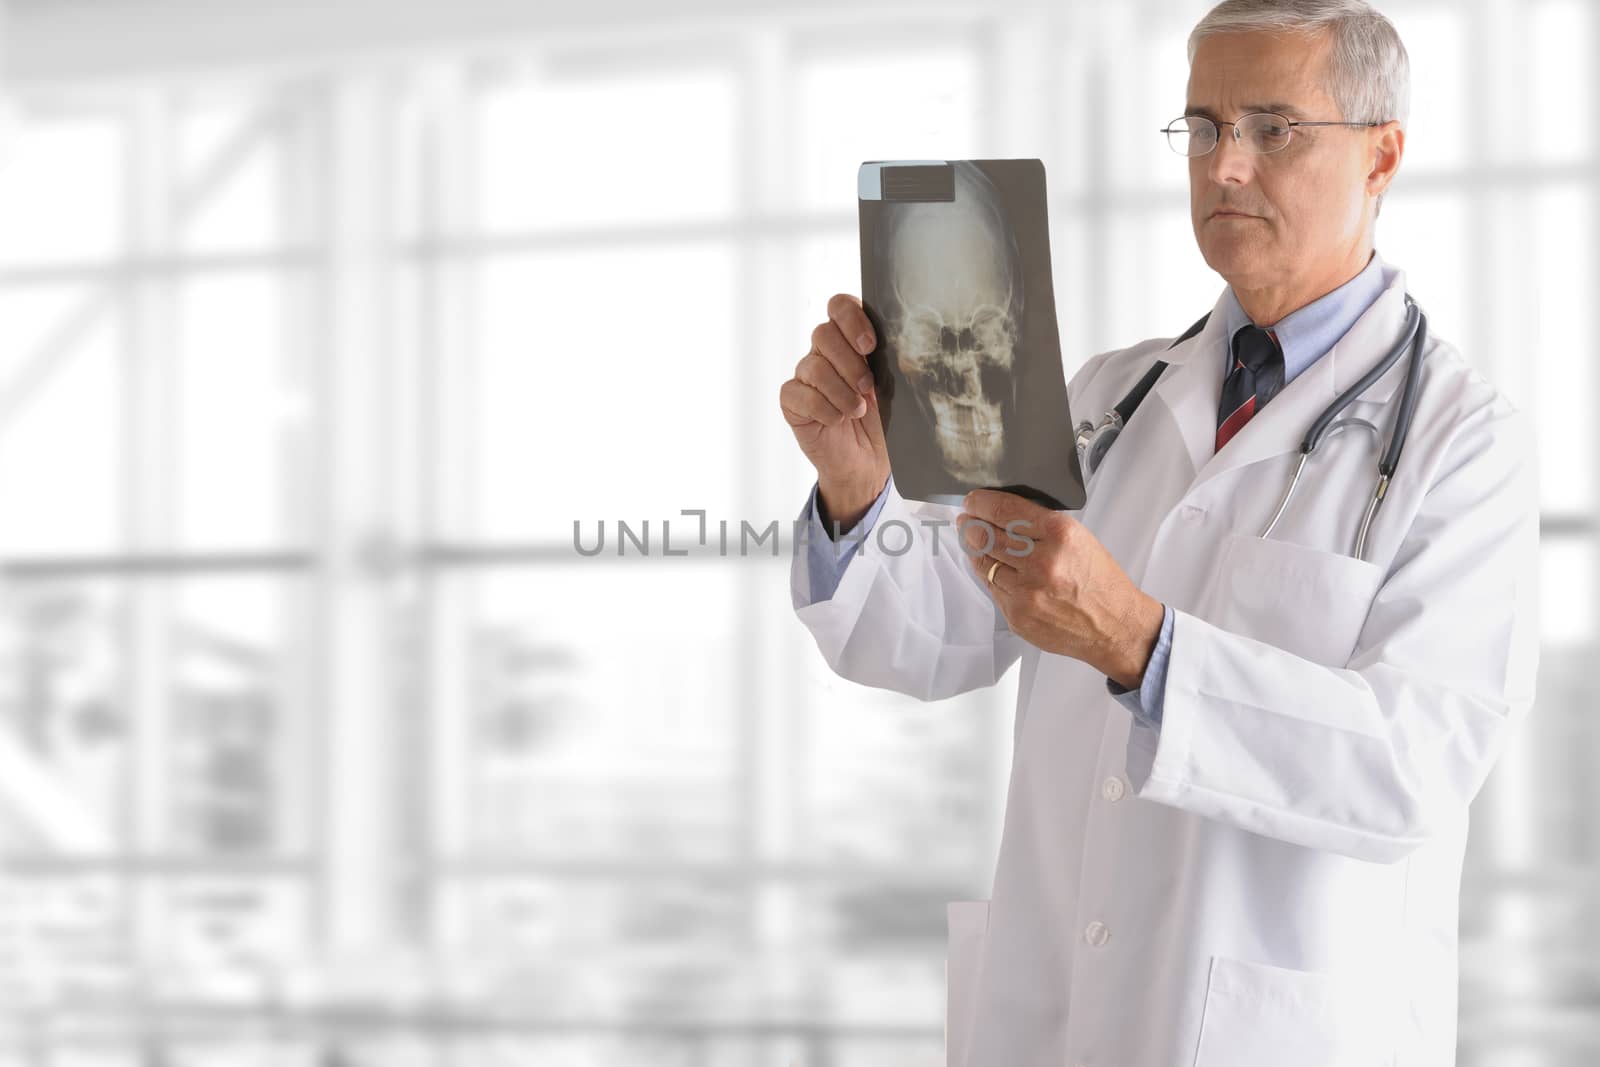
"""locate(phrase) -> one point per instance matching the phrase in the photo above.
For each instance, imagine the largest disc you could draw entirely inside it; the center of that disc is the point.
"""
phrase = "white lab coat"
(1273, 877)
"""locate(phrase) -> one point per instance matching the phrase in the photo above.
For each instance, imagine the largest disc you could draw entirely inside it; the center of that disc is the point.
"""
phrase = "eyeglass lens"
(1194, 135)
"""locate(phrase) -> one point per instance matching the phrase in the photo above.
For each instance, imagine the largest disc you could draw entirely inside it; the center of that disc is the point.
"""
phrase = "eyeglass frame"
(1217, 125)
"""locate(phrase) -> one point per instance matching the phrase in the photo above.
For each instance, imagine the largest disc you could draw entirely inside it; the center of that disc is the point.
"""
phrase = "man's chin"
(1233, 255)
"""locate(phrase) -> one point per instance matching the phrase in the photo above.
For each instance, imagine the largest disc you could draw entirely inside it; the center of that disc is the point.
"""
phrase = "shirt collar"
(1307, 333)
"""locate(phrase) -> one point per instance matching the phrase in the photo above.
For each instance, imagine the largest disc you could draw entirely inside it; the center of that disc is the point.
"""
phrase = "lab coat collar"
(1190, 391)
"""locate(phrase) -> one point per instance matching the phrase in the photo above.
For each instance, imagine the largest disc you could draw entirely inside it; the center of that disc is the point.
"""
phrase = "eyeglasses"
(1196, 135)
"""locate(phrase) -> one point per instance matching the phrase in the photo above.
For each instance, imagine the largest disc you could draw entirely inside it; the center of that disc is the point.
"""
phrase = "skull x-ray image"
(955, 277)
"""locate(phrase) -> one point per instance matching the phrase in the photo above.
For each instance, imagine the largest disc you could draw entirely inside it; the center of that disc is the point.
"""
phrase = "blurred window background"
(319, 742)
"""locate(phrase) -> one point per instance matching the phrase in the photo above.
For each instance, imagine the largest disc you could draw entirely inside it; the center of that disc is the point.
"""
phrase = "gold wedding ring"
(992, 567)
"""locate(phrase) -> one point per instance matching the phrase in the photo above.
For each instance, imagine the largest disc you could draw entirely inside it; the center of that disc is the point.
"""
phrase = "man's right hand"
(832, 407)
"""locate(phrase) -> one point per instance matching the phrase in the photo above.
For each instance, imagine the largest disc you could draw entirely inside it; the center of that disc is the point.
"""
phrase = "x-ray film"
(955, 277)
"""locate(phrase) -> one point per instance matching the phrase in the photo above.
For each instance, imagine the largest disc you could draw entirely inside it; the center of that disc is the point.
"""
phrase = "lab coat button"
(1112, 788)
(1192, 512)
(1096, 933)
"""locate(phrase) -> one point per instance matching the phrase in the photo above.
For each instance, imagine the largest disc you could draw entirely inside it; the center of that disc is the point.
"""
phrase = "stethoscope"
(1095, 441)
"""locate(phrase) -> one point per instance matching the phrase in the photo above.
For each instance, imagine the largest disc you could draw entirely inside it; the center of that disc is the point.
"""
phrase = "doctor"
(1242, 765)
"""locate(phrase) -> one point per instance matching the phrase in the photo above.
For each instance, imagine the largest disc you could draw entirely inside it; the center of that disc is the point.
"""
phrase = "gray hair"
(1370, 70)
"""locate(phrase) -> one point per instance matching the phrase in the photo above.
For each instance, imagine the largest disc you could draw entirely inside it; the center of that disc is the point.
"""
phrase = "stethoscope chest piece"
(1095, 441)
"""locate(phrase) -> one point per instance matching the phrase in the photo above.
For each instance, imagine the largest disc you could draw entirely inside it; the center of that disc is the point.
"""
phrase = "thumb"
(873, 420)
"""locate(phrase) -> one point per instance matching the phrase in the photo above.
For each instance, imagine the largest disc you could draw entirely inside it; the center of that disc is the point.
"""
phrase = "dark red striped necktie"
(1256, 374)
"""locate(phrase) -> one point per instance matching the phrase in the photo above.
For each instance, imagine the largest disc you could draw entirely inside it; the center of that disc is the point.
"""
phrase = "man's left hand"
(1058, 587)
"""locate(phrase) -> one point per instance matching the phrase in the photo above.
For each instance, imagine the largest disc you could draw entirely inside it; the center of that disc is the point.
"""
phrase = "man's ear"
(1388, 146)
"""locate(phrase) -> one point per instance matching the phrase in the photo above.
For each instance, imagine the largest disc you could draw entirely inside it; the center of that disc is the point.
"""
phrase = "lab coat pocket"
(1304, 600)
(1262, 1015)
(968, 922)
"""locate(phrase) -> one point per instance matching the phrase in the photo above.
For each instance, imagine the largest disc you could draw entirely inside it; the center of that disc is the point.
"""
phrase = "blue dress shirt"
(1305, 335)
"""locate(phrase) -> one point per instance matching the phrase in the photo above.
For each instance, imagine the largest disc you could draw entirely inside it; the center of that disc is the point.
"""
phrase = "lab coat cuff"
(839, 614)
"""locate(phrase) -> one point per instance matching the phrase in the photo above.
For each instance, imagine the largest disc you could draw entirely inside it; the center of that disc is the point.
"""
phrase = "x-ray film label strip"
(907, 181)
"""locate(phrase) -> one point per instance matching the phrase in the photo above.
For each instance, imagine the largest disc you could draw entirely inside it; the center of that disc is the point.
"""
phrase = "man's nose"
(1229, 162)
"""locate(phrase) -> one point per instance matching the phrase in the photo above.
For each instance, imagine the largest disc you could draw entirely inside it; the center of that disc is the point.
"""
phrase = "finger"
(998, 536)
(820, 374)
(1000, 508)
(802, 404)
(1004, 575)
(979, 536)
(873, 422)
(846, 312)
(846, 361)
(1007, 549)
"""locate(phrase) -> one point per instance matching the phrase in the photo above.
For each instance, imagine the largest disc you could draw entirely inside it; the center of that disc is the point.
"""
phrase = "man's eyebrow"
(1288, 111)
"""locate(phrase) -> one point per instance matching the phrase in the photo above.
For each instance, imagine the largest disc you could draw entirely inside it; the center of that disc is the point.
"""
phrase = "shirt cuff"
(826, 559)
(1145, 702)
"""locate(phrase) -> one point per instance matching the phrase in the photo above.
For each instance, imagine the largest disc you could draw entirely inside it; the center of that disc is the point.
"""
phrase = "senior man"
(1242, 765)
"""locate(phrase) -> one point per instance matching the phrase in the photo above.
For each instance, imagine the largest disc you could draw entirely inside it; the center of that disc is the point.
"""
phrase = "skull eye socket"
(952, 341)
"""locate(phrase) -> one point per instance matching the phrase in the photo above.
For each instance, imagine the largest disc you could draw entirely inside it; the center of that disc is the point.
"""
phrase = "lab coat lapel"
(1193, 389)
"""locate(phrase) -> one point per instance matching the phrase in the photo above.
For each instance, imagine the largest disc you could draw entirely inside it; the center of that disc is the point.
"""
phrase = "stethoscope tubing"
(1414, 338)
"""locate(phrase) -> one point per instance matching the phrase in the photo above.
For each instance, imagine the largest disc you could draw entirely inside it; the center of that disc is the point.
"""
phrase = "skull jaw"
(970, 436)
